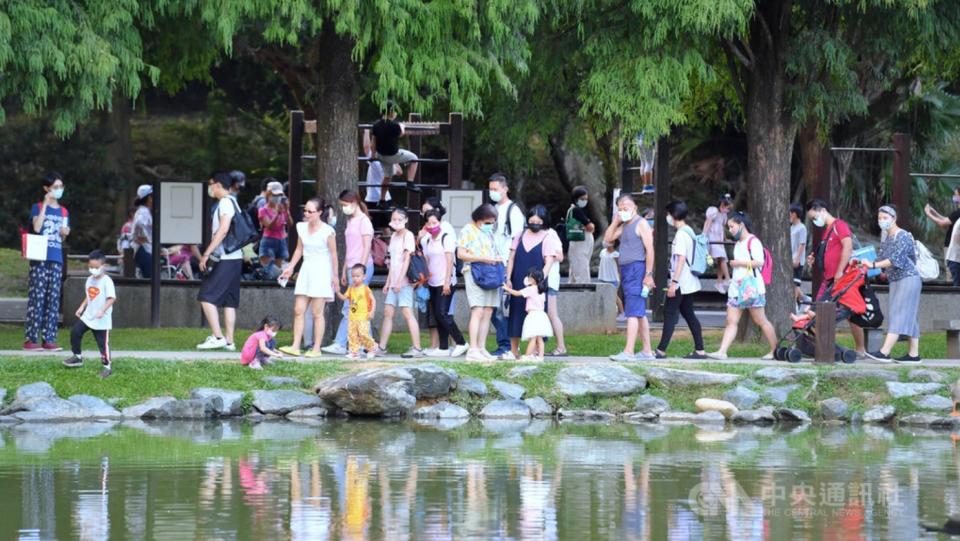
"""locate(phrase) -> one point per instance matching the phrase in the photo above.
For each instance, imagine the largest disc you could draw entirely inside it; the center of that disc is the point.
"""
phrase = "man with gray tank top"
(636, 271)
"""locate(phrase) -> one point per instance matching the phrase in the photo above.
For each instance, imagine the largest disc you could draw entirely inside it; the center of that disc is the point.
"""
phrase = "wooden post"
(455, 152)
(822, 189)
(661, 197)
(295, 170)
(826, 330)
(155, 262)
(901, 179)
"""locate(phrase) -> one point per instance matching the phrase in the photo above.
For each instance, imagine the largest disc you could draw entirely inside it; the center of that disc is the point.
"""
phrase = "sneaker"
(107, 370)
(291, 351)
(439, 353)
(649, 189)
(73, 362)
(621, 318)
(644, 357)
(353, 356)
(458, 351)
(411, 187)
(507, 356)
(311, 354)
(531, 358)
(717, 356)
(658, 355)
(212, 342)
(371, 355)
(255, 365)
(335, 349)
(879, 356)
(475, 355)
(413, 353)
(230, 347)
(908, 359)
(31, 346)
(695, 356)
(623, 357)
(380, 352)
(51, 346)
(487, 355)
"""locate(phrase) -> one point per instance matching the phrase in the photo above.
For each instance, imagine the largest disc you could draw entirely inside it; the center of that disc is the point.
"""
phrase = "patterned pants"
(43, 304)
(358, 335)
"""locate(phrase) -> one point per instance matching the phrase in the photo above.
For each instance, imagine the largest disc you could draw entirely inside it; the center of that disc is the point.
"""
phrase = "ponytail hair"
(537, 275)
(742, 218)
(352, 197)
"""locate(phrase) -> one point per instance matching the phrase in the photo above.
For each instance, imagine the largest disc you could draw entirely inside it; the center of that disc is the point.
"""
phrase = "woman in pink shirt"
(438, 249)
(358, 238)
(274, 218)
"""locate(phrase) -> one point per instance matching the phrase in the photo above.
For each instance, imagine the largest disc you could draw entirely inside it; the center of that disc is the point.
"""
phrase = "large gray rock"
(760, 416)
(788, 415)
(473, 386)
(384, 391)
(510, 391)
(951, 423)
(862, 373)
(96, 406)
(231, 402)
(924, 374)
(918, 419)
(834, 409)
(137, 411)
(282, 381)
(190, 408)
(442, 410)
(586, 415)
(778, 395)
(879, 414)
(539, 407)
(431, 381)
(902, 390)
(42, 409)
(523, 371)
(599, 380)
(39, 389)
(712, 404)
(934, 402)
(308, 413)
(671, 377)
(649, 404)
(742, 397)
(640, 416)
(706, 417)
(282, 402)
(773, 374)
(506, 409)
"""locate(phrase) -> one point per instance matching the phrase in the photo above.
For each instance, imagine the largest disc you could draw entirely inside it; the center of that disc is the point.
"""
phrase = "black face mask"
(535, 227)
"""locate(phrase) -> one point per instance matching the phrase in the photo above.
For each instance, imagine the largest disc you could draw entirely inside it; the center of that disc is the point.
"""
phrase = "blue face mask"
(650, 221)
(487, 228)
(57, 193)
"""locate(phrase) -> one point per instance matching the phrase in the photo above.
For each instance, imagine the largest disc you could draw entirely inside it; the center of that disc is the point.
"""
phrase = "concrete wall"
(583, 308)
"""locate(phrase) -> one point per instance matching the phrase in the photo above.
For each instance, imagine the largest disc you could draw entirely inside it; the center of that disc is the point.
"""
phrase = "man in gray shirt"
(798, 246)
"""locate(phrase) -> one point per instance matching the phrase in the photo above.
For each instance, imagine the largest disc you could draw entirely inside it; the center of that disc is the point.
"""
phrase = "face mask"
(625, 215)
(275, 199)
(956, 200)
(670, 220)
(57, 193)
(332, 221)
(347, 210)
(434, 230)
(582, 203)
(271, 333)
(735, 235)
(884, 224)
(535, 228)
(396, 226)
(487, 228)
(650, 221)
(210, 191)
(495, 196)
(819, 220)
(96, 271)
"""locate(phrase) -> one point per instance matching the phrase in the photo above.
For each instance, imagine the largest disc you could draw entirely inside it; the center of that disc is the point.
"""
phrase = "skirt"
(536, 324)
(904, 306)
(315, 280)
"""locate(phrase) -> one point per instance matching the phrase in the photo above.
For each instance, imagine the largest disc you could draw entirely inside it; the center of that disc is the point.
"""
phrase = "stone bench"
(952, 326)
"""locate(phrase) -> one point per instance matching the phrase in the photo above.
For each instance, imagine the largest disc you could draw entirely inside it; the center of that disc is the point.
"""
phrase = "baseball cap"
(275, 188)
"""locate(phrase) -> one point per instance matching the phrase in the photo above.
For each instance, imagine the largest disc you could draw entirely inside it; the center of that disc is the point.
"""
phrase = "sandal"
(558, 353)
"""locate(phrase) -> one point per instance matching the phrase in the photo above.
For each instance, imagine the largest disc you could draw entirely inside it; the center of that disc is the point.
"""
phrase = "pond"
(360, 480)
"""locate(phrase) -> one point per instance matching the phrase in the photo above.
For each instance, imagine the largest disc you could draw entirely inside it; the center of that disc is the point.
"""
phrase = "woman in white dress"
(317, 279)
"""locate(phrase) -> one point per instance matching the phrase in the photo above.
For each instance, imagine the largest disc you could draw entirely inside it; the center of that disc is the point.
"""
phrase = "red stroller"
(855, 301)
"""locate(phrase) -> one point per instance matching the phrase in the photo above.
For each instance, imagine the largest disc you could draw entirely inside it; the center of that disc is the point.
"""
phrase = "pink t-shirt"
(552, 245)
(398, 245)
(357, 226)
(535, 299)
(277, 229)
(436, 250)
(250, 347)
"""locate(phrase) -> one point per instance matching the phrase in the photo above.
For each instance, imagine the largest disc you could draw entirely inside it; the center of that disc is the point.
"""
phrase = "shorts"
(477, 297)
(552, 292)
(402, 156)
(274, 248)
(221, 287)
(634, 303)
(755, 302)
(404, 299)
(797, 275)
(634, 306)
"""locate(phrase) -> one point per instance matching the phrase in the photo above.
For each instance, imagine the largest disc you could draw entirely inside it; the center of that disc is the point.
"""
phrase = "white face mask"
(819, 220)
(95, 271)
(582, 203)
(210, 191)
(669, 220)
(347, 210)
(495, 196)
(625, 215)
(57, 193)
(885, 224)
(333, 221)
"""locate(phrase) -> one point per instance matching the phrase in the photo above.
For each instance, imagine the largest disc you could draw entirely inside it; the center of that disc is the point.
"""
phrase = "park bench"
(952, 326)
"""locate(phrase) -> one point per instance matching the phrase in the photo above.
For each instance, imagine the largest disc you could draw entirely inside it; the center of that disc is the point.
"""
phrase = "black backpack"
(418, 273)
(242, 232)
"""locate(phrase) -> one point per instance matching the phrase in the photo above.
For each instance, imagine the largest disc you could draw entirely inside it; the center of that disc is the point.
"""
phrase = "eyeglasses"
(308, 211)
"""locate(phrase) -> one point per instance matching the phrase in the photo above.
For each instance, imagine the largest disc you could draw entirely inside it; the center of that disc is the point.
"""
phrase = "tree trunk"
(770, 138)
(115, 133)
(811, 150)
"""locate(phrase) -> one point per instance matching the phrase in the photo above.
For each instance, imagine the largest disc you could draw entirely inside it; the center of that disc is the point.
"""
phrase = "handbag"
(575, 230)
(488, 275)
(242, 231)
(748, 289)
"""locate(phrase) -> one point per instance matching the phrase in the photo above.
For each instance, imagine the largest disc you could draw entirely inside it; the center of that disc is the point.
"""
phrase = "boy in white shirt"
(95, 314)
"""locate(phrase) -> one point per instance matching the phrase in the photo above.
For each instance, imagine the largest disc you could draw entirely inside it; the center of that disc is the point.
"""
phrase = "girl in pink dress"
(536, 325)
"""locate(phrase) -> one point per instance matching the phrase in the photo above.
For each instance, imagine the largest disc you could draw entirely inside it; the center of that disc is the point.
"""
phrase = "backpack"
(508, 227)
(418, 273)
(574, 229)
(698, 262)
(241, 233)
(766, 272)
(378, 250)
(927, 266)
(457, 264)
(254, 213)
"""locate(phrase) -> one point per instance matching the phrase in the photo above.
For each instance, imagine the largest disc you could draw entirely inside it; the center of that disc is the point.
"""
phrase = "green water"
(357, 480)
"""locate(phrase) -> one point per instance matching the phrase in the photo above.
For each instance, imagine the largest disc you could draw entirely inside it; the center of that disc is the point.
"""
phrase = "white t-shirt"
(99, 289)
(608, 266)
(435, 251)
(740, 253)
(683, 245)
(517, 223)
(226, 207)
(143, 227)
(798, 236)
(396, 248)
(375, 176)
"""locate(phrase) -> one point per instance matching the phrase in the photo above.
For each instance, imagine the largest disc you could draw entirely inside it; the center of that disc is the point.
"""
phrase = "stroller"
(855, 300)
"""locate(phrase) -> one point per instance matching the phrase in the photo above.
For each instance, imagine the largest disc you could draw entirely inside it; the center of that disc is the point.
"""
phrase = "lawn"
(13, 273)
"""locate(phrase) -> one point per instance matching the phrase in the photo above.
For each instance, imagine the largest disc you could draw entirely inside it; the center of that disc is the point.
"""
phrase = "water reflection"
(359, 481)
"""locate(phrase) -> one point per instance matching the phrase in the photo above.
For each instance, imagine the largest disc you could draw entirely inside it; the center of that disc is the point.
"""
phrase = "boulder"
(934, 402)
(760, 416)
(918, 419)
(510, 391)
(506, 409)
(671, 377)
(902, 390)
(431, 381)
(190, 408)
(862, 373)
(539, 407)
(282, 381)
(39, 389)
(137, 411)
(382, 391)
(473, 386)
(924, 374)
(640, 416)
(308, 413)
(51, 408)
(599, 380)
(442, 410)
(523, 371)
(834, 409)
(706, 417)
(778, 395)
(586, 415)
(742, 397)
(231, 402)
(778, 375)
(788, 415)
(952, 423)
(97, 407)
(711, 404)
(649, 404)
(282, 402)
(879, 414)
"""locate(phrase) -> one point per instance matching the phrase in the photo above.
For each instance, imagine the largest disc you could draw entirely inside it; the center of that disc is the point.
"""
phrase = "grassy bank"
(13, 273)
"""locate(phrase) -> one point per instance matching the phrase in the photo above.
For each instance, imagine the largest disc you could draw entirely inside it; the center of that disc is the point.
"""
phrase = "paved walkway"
(234, 356)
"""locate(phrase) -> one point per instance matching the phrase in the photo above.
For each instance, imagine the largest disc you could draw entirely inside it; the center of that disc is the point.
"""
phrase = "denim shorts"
(274, 248)
(404, 299)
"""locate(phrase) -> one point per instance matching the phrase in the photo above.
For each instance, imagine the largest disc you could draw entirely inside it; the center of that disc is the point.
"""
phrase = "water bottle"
(645, 292)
